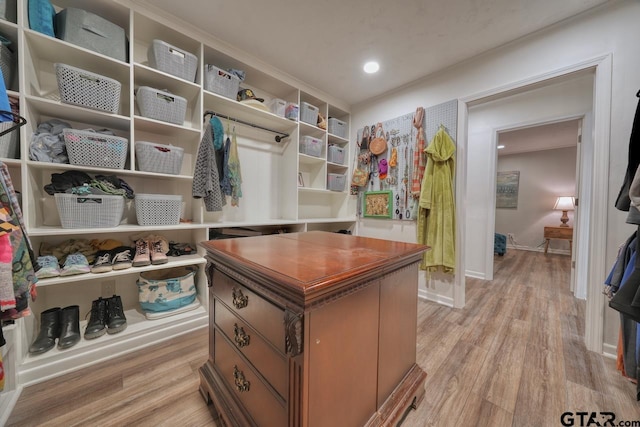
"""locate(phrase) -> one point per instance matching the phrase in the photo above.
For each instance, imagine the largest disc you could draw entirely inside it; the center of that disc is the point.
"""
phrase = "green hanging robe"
(436, 219)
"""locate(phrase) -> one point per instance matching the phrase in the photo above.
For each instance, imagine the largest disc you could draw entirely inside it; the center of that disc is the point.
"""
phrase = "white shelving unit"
(272, 199)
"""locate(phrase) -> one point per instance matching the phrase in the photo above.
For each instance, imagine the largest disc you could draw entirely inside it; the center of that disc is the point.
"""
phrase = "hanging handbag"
(361, 169)
(378, 144)
(364, 140)
(360, 176)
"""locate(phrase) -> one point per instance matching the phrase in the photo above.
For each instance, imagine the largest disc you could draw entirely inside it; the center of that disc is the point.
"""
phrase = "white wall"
(544, 175)
(612, 29)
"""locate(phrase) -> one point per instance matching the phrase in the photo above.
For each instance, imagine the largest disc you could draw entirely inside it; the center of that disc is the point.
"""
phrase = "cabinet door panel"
(398, 328)
(343, 363)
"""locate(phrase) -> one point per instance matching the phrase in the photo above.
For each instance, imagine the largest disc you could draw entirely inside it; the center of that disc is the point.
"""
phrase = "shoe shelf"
(139, 332)
(184, 260)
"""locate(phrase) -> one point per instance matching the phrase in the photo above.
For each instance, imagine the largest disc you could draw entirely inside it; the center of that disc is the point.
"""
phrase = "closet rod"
(279, 137)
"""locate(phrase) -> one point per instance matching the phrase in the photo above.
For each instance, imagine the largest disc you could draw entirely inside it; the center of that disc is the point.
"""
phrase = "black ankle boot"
(116, 321)
(97, 325)
(49, 331)
(69, 327)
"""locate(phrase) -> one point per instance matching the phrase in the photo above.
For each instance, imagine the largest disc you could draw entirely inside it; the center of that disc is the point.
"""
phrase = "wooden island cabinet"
(312, 329)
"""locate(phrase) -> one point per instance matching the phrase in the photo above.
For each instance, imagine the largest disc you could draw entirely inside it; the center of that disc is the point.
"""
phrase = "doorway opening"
(476, 204)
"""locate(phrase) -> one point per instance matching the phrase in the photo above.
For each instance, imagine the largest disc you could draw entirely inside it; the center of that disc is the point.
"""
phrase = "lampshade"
(564, 203)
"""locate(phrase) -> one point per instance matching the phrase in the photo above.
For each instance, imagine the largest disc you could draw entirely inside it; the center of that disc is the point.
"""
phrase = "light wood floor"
(514, 356)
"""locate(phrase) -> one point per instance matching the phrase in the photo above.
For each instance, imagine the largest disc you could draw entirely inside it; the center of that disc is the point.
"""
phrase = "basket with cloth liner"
(167, 290)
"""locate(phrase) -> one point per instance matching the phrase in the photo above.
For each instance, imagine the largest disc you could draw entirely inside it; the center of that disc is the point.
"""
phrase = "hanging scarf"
(235, 177)
(419, 157)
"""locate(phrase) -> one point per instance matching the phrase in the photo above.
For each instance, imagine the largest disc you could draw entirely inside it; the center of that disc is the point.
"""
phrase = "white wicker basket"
(86, 89)
(89, 211)
(172, 60)
(221, 82)
(158, 209)
(309, 113)
(9, 143)
(89, 148)
(337, 127)
(336, 181)
(335, 154)
(159, 158)
(160, 105)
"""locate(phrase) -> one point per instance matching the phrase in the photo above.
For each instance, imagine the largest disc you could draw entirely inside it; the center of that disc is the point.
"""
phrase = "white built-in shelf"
(106, 171)
(310, 160)
(159, 127)
(180, 261)
(232, 108)
(147, 76)
(125, 228)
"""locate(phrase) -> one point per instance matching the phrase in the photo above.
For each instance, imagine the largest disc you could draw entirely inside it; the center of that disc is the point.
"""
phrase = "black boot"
(69, 327)
(116, 321)
(49, 331)
(97, 325)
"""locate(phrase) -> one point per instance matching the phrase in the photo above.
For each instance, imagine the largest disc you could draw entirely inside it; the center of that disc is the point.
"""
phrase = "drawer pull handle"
(242, 385)
(241, 338)
(239, 299)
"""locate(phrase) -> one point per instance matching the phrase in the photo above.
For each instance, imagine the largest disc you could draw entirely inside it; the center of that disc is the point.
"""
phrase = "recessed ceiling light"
(371, 67)
(500, 147)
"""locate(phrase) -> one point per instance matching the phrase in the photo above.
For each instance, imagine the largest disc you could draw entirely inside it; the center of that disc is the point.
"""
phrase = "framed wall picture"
(507, 189)
(378, 204)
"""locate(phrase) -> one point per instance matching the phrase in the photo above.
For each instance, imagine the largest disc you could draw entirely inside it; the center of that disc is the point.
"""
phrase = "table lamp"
(564, 204)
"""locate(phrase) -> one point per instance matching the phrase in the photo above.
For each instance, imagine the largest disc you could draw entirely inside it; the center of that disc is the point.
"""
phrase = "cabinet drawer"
(558, 233)
(265, 409)
(272, 366)
(263, 316)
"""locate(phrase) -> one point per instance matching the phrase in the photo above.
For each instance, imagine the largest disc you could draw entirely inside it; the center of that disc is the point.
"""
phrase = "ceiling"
(325, 43)
(538, 138)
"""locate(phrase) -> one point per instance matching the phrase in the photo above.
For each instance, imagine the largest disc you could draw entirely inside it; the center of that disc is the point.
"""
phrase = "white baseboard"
(475, 274)
(538, 249)
(610, 351)
(427, 295)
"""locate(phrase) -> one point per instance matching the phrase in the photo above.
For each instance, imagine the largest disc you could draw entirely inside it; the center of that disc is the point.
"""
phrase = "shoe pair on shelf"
(58, 323)
(107, 316)
(50, 267)
(116, 259)
(151, 250)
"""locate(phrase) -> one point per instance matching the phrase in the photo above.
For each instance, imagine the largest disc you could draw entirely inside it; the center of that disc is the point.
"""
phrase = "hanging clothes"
(23, 259)
(623, 202)
(419, 158)
(235, 175)
(225, 182)
(436, 218)
(206, 181)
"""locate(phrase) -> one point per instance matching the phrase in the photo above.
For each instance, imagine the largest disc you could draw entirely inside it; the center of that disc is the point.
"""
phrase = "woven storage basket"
(309, 113)
(336, 181)
(311, 146)
(168, 289)
(159, 105)
(7, 65)
(86, 89)
(89, 211)
(337, 127)
(9, 143)
(89, 148)
(221, 82)
(335, 154)
(159, 158)
(158, 209)
(172, 60)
